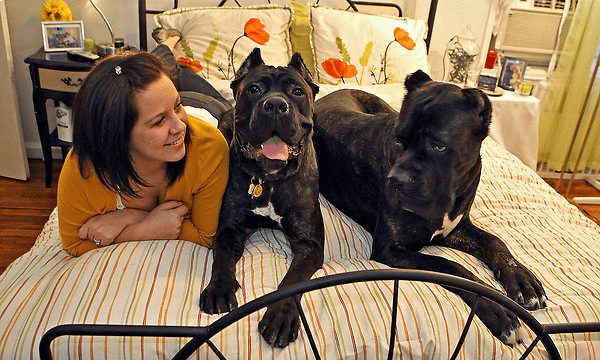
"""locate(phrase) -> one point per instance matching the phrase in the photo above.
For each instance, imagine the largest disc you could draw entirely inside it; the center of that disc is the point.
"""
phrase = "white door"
(13, 158)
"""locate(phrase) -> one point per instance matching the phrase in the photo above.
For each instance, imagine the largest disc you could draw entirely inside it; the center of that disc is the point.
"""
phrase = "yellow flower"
(56, 11)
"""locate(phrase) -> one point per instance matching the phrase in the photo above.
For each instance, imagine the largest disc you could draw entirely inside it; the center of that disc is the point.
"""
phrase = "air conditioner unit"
(530, 35)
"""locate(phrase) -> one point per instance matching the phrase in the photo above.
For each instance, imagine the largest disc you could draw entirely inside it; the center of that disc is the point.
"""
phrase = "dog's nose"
(404, 178)
(276, 106)
(401, 182)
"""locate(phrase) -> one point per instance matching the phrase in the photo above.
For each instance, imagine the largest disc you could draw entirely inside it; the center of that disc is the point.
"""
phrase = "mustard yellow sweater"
(200, 188)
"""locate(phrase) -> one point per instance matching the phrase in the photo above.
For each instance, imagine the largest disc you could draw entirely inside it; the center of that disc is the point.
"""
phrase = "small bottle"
(64, 123)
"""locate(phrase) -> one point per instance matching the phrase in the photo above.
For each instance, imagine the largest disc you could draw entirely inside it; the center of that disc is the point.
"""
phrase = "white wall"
(26, 35)
(452, 17)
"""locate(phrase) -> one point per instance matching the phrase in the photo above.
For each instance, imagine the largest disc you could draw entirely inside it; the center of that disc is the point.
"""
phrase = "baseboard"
(34, 151)
(566, 176)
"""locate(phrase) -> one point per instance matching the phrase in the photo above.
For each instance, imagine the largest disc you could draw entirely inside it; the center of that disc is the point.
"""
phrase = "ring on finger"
(96, 241)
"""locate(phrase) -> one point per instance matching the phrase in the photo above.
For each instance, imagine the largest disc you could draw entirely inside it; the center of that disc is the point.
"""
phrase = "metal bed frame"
(201, 334)
(143, 11)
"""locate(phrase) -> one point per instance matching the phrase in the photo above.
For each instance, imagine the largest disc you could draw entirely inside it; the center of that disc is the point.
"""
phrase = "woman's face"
(158, 133)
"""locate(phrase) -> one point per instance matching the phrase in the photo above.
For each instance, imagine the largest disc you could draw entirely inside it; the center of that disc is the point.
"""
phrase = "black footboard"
(201, 335)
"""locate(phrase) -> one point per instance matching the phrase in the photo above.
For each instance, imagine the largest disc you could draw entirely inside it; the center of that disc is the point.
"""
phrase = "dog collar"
(255, 189)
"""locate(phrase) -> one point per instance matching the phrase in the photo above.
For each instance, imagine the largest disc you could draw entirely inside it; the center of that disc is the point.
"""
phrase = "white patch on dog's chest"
(268, 211)
(447, 226)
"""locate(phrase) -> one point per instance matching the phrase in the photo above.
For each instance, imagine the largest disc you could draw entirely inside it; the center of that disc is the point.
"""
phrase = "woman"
(140, 168)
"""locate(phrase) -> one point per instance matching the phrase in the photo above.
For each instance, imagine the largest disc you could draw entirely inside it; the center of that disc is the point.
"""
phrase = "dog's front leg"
(280, 323)
(520, 283)
(388, 248)
(219, 296)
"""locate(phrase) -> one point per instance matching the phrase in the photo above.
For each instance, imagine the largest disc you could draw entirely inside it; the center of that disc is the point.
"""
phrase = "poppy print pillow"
(365, 49)
(217, 40)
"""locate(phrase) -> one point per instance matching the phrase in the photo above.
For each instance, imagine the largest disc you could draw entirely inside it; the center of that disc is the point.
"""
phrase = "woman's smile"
(176, 142)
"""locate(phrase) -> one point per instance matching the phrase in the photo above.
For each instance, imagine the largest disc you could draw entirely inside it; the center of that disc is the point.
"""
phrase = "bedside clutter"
(508, 73)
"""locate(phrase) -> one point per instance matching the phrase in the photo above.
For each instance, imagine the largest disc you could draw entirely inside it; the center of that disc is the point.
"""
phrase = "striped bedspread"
(159, 283)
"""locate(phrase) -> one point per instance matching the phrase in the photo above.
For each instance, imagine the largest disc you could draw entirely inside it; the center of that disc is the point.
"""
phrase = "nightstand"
(515, 120)
(54, 76)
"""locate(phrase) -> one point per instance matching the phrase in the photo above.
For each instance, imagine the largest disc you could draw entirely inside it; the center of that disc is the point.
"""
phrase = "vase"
(460, 61)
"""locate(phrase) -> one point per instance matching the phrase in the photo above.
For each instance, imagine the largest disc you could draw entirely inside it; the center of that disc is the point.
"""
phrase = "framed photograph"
(63, 35)
(513, 71)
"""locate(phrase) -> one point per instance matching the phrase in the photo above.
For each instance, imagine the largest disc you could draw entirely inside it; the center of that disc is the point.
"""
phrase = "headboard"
(143, 11)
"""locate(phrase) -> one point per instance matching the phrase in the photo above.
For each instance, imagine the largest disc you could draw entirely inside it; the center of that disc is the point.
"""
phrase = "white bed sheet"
(159, 283)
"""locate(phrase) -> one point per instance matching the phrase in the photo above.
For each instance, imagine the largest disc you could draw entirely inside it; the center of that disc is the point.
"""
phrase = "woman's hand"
(105, 228)
(165, 220)
(162, 222)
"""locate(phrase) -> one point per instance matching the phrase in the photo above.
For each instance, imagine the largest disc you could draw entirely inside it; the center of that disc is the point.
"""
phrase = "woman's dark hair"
(104, 112)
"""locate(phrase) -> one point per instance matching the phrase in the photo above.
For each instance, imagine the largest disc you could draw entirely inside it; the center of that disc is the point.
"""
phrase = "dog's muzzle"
(417, 194)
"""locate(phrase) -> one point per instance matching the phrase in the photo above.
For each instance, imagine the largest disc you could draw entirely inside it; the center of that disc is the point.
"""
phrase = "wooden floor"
(579, 188)
(26, 205)
(24, 209)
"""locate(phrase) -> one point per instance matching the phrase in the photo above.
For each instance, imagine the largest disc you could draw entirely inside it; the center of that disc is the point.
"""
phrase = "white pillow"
(209, 33)
(360, 40)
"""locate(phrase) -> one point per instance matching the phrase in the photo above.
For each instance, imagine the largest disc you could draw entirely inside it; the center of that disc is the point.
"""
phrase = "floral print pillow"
(366, 49)
(217, 40)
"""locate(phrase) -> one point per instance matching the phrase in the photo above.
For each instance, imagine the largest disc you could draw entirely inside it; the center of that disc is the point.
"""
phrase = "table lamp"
(105, 49)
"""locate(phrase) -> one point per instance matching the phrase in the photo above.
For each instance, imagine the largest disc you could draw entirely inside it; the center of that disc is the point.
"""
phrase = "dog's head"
(438, 137)
(273, 111)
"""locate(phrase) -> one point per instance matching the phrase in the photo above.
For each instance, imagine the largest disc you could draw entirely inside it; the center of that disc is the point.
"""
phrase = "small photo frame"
(63, 35)
(513, 71)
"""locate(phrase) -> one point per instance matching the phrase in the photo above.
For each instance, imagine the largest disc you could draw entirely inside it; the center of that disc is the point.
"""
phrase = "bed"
(140, 300)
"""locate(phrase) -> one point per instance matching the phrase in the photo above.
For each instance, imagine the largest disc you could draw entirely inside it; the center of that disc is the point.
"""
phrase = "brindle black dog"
(273, 182)
(410, 178)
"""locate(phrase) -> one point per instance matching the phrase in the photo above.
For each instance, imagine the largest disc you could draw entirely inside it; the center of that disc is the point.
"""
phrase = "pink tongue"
(275, 149)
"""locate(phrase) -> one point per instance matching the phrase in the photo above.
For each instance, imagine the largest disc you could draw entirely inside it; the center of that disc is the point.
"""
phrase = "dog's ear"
(297, 63)
(416, 80)
(253, 60)
(482, 105)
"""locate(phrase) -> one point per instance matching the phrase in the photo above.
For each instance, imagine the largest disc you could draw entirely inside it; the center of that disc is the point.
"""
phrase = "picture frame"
(63, 35)
(513, 72)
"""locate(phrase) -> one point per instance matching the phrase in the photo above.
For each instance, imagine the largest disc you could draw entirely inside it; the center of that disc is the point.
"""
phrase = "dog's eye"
(298, 92)
(438, 148)
(253, 89)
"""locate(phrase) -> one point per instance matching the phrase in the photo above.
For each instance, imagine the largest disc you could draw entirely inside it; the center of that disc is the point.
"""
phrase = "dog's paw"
(513, 336)
(503, 324)
(217, 299)
(280, 324)
(523, 287)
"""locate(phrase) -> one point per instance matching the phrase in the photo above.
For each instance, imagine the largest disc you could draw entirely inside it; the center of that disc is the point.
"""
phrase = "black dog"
(410, 178)
(273, 182)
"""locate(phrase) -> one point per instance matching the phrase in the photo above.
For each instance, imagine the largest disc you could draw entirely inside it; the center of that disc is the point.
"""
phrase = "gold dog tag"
(257, 191)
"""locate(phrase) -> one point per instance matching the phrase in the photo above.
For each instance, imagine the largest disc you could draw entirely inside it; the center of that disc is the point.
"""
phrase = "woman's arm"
(80, 199)
(163, 222)
(106, 228)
